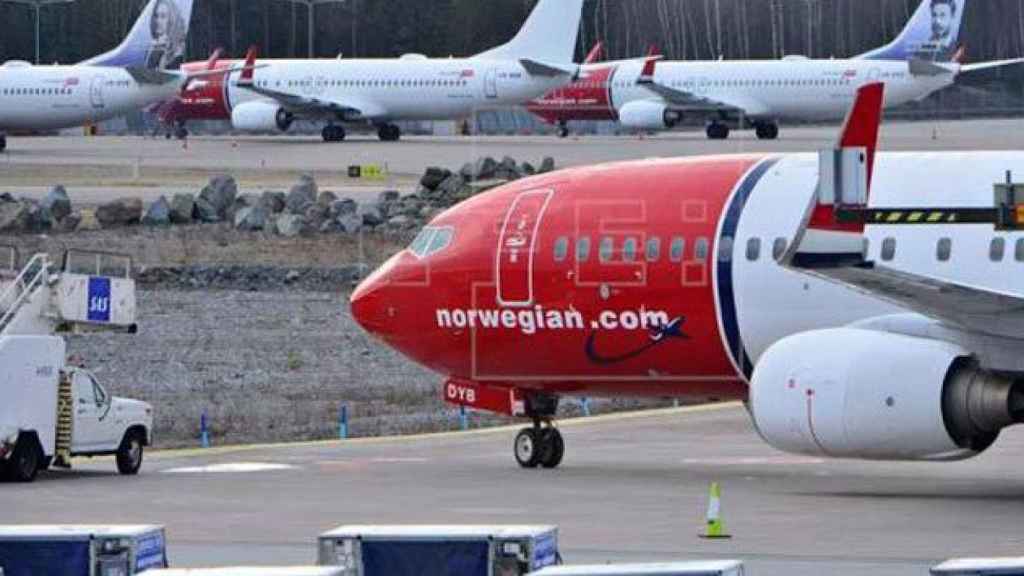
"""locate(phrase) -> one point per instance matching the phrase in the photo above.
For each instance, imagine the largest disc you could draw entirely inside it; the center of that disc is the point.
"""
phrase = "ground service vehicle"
(51, 411)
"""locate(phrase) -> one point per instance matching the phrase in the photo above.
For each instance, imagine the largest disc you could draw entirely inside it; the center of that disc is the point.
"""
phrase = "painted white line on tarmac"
(231, 468)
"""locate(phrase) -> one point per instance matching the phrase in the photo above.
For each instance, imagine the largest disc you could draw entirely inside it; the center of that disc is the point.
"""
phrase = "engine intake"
(261, 117)
(648, 115)
(866, 394)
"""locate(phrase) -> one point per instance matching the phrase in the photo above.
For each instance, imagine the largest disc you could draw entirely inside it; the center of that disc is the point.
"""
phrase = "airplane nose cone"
(367, 304)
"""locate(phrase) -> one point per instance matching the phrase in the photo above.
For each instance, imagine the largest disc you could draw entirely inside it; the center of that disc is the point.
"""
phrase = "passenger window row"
(944, 249)
(36, 91)
(630, 249)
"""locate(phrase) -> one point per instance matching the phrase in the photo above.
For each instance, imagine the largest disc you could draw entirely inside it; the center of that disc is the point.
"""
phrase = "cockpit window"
(441, 240)
(421, 242)
(431, 240)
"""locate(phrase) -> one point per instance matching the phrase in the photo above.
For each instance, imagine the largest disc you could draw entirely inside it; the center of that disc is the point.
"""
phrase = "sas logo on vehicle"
(460, 394)
(99, 300)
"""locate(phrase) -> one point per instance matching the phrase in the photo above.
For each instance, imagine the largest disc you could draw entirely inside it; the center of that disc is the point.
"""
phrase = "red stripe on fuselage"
(615, 323)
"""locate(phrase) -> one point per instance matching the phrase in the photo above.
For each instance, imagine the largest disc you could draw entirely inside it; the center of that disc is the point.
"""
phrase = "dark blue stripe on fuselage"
(726, 289)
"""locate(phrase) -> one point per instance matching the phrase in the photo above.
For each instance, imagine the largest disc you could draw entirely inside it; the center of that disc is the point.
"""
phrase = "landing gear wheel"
(333, 133)
(389, 133)
(717, 131)
(25, 462)
(563, 130)
(129, 455)
(528, 448)
(552, 448)
(767, 131)
(180, 132)
(3, 143)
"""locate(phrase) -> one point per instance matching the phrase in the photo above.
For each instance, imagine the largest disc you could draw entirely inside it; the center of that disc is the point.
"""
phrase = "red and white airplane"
(880, 329)
(383, 91)
(760, 93)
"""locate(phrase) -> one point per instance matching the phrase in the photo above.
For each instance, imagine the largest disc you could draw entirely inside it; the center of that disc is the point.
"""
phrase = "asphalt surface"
(98, 168)
(632, 488)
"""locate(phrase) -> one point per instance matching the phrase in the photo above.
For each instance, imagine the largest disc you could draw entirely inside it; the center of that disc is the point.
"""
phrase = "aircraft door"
(96, 92)
(517, 246)
(491, 83)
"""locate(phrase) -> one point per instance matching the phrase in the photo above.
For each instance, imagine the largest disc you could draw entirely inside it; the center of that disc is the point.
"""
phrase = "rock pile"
(304, 210)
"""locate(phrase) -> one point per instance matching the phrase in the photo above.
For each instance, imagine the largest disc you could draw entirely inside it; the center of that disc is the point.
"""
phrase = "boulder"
(120, 212)
(401, 222)
(14, 217)
(216, 199)
(159, 213)
(388, 196)
(6, 198)
(484, 169)
(87, 221)
(433, 177)
(546, 165)
(251, 218)
(343, 207)
(273, 202)
(301, 196)
(292, 225)
(527, 169)
(57, 204)
(326, 198)
(466, 171)
(508, 169)
(38, 218)
(349, 223)
(370, 215)
(183, 208)
(69, 223)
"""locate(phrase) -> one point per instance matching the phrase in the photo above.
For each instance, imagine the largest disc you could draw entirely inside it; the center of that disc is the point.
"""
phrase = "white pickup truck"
(50, 412)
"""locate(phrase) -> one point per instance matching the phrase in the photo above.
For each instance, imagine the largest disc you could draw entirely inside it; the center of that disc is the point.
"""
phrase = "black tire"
(527, 448)
(767, 131)
(718, 131)
(129, 455)
(563, 131)
(552, 448)
(25, 462)
(3, 143)
(181, 133)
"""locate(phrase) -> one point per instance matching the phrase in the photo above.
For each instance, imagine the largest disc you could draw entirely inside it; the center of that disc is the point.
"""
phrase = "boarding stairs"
(89, 291)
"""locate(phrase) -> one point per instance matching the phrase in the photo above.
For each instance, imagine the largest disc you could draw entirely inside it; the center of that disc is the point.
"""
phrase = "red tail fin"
(653, 50)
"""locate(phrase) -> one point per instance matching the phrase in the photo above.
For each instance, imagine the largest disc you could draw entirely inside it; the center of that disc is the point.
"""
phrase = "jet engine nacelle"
(261, 117)
(856, 393)
(648, 115)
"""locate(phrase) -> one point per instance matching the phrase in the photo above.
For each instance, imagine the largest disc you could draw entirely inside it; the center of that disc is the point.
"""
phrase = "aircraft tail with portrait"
(931, 35)
(157, 41)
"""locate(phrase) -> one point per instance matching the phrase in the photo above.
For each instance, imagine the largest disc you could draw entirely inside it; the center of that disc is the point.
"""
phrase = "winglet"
(653, 50)
(250, 67)
(860, 130)
(832, 234)
(595, 53)
(211, 63)
(647, 74)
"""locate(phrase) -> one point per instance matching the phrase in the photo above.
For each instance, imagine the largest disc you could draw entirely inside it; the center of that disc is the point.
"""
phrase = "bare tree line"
(681, 29)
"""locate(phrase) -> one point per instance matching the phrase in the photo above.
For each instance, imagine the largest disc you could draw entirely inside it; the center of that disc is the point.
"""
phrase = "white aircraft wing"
(830, 243)
(687, 101)
(971, 308)
(308, 105)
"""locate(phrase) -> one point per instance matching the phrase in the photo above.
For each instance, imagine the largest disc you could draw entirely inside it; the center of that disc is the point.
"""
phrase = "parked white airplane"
(127, 78)
(413, 87)
(920, 61)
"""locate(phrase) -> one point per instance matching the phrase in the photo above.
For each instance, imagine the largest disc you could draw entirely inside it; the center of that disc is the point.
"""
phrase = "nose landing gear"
(333, 133)
(3, 142)
(539, 445)
(389, 133)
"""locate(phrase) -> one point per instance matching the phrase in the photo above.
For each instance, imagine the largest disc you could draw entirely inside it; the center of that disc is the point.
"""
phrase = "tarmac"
(100, 168)
(633, 487)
